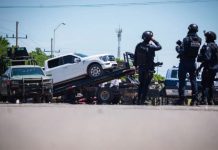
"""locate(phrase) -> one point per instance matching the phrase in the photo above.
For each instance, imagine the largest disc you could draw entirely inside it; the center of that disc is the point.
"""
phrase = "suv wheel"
(95, 70)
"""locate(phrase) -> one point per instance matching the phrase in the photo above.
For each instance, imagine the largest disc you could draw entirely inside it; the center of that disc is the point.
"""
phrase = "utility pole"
(52, 49)
(118, 31)
(53, 42)
(17, 37)
(17, 33)
(157, 66)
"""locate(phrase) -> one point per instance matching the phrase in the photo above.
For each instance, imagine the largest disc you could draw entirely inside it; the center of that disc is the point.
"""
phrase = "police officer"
(209, 61)
(144, 61)
(187, 54)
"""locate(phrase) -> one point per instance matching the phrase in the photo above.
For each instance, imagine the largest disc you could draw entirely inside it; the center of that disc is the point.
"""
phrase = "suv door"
(71, 67)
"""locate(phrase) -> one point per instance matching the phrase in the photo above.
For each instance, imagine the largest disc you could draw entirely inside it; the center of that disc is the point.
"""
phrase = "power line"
(12, 31)
(3, 33)
(110, 4)
(17, 37)
(6, 20)
(24, 44)
(7, 29)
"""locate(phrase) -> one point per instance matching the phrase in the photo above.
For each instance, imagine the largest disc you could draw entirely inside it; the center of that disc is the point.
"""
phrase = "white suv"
(72, 66)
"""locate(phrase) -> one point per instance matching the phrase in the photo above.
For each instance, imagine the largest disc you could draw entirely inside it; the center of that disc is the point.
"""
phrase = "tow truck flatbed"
(62, 88)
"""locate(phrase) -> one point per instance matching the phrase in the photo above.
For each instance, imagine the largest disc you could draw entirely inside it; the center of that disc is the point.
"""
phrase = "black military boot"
(210, 102)
(181, 101)
(194, 101)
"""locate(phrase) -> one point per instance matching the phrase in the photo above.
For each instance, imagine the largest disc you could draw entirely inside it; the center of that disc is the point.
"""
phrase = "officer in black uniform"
(209, 61)
(187, 53)
(144, 61)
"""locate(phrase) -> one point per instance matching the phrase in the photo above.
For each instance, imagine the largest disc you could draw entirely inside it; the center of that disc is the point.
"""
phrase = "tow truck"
(71, 91)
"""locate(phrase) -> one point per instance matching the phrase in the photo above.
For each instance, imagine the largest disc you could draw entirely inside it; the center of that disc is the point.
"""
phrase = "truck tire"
(94, 70)
(69, 98)
(48, 99)
(10, 99)
(116, 99)
(37, 99)
(3, 98)
(105, 96)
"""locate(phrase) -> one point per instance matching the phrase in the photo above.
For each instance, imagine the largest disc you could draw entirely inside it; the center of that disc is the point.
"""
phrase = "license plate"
(188, 84)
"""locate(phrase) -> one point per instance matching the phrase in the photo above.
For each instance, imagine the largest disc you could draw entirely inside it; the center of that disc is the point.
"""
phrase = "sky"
(90, 25)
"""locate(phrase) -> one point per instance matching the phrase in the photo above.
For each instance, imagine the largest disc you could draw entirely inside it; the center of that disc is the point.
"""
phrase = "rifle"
(179, 48)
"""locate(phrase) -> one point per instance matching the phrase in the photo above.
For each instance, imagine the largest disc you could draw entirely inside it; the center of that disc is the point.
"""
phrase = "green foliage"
(158, 78)
(39, 56)
(4, 44)
(118, 60)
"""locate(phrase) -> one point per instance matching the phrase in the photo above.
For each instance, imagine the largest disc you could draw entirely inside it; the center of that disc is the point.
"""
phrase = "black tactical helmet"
(193, 28)
(210, 36)
(147, 35)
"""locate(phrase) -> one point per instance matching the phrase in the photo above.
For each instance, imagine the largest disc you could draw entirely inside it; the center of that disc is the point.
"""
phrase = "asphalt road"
(104, 127)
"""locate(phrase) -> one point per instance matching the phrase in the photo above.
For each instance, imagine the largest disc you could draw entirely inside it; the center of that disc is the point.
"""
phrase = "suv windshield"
(111, 58)
(80, 55)
(26, 71)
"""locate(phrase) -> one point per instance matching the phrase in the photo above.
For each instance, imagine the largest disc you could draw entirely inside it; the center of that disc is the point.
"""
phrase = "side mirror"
(77, 60)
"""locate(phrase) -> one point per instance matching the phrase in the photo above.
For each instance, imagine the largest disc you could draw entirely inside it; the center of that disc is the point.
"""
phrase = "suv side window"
(55, 62)
(69, 59)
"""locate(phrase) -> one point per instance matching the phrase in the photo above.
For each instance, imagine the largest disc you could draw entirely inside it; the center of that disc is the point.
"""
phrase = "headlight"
(15, 84)
(104, 58)
(47, 82)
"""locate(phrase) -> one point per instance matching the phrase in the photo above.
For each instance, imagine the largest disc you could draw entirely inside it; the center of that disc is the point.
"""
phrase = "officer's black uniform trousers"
(145, 76)
(187, 66)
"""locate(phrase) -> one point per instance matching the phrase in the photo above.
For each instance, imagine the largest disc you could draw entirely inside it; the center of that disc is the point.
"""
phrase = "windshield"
(26, 71)
(111, 58)
(80, 55)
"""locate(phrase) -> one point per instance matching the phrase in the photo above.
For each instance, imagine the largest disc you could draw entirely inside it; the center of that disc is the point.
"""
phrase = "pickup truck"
(24, 82)
(172, 84)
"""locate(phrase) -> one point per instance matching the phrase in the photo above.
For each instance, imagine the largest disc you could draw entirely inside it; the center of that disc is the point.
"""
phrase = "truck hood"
(30, 77)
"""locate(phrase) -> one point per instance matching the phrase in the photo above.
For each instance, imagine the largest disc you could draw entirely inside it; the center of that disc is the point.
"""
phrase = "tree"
(4, 44)
(39, 56)
(158, 78)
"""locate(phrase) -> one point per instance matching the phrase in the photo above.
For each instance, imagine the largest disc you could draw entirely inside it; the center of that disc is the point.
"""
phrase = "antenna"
(119, 31)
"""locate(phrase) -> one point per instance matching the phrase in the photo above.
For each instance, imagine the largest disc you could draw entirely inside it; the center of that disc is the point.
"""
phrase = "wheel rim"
(95, 71)
(105, 95)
